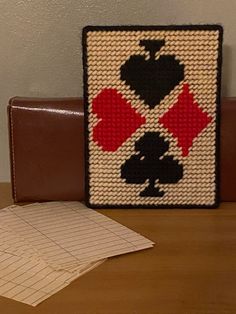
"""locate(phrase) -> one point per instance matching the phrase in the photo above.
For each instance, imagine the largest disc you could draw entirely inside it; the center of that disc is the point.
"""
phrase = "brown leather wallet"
(47, 149)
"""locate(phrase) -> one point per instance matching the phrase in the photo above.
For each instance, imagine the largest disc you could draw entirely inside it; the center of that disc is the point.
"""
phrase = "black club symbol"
(150, 164)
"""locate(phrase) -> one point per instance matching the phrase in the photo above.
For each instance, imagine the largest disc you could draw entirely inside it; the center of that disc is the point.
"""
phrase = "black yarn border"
(203, 27)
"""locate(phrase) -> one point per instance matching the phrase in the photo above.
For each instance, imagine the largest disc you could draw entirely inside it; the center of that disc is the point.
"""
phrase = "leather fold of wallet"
(46, 139)
(46, 149)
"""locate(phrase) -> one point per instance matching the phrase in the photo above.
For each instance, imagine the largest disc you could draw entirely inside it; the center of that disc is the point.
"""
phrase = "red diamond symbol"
(185, 120)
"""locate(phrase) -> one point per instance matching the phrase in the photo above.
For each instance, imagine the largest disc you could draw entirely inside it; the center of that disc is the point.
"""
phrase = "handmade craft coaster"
(152, 98)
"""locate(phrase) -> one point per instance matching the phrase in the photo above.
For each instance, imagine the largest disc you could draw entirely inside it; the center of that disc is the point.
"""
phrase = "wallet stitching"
(13, 155)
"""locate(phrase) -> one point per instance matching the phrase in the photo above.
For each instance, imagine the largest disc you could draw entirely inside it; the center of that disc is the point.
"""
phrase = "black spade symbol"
(152, 79)
(150, 164)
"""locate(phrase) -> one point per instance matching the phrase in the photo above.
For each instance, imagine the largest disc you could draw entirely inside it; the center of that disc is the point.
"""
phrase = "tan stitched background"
(198, 51)
(41, 51)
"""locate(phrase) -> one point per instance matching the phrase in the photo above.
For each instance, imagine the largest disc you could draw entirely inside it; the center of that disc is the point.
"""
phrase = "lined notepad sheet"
(68, 233)
(12, 243)
(31, 281)
(45, 246)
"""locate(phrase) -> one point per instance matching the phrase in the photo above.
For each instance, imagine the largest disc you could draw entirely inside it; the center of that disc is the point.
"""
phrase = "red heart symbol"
(118, 119)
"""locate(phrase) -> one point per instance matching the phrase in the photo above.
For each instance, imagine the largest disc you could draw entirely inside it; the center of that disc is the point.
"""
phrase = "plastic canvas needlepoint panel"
(152, 115)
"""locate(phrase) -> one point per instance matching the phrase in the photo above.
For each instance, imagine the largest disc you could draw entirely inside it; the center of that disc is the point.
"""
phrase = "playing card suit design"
(150, 164)
(185, 120)
(152, 79)
(118, 119)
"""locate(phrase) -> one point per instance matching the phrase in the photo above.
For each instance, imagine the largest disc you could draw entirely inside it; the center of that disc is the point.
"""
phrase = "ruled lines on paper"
(45, 246)
(15, 245)
(31, 281)
(69, 233)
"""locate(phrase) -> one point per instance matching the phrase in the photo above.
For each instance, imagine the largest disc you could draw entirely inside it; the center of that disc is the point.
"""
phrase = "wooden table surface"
(191, 269)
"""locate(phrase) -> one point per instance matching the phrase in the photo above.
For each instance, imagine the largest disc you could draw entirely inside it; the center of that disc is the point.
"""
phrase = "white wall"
(40, 44)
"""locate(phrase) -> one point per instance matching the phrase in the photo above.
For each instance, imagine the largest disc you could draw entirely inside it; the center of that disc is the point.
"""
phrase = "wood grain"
(191, 270)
